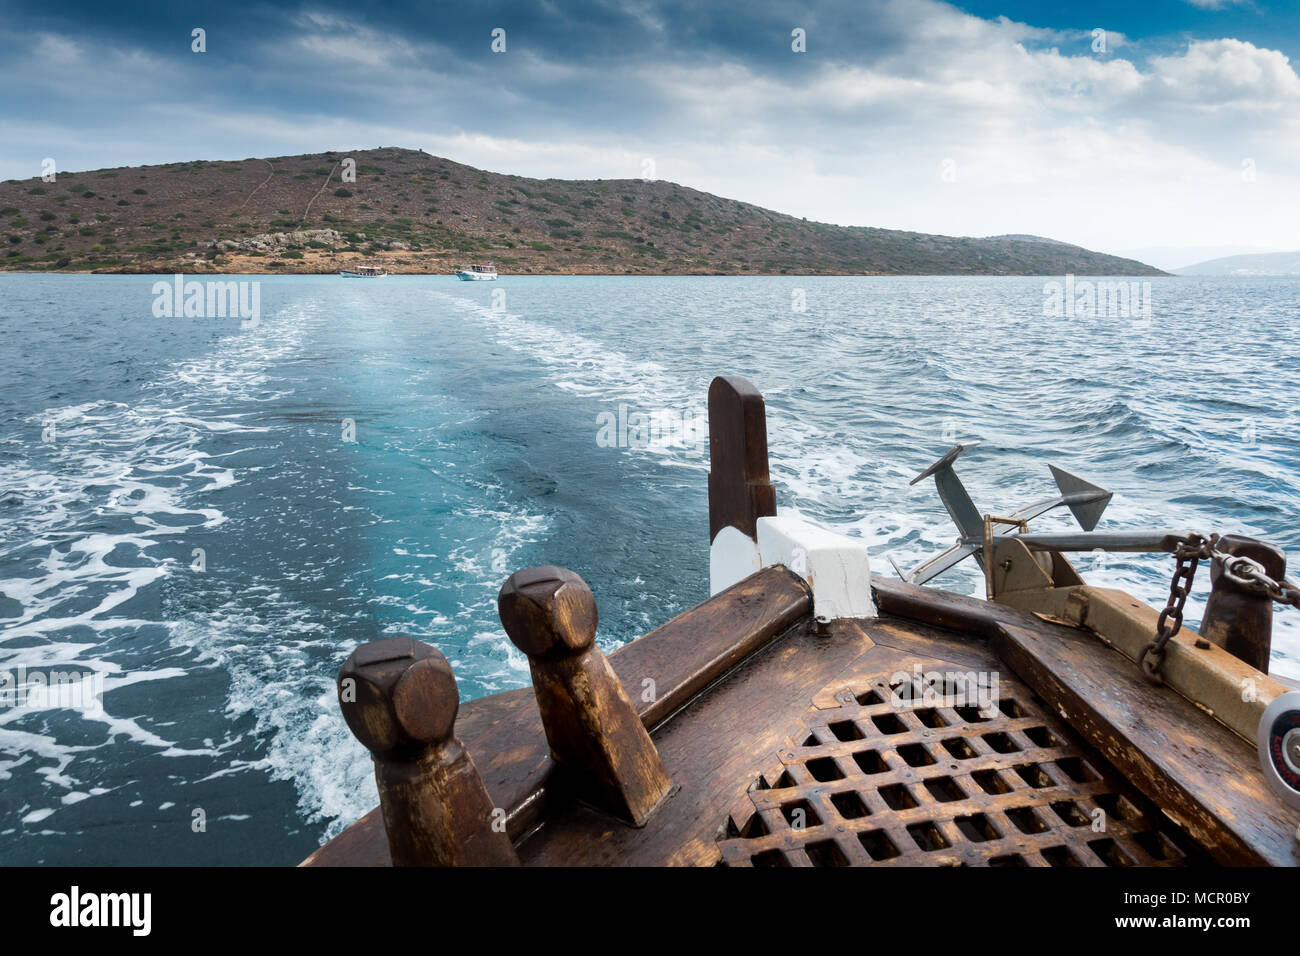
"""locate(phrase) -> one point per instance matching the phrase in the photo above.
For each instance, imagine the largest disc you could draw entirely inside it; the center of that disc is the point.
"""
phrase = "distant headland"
(417, 213)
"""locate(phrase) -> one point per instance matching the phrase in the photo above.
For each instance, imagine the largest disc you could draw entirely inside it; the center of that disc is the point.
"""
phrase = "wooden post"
(593, 731)
(399, 699)
(740, 490)
(1237, 619)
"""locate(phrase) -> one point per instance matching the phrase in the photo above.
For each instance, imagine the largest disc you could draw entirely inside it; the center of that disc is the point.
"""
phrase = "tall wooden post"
(399, 698)
(740, 489)
(594, 733)
(1238, 619)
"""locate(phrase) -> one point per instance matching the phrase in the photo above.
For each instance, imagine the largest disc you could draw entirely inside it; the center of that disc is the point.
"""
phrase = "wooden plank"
(954, 612)
(1233, 691)
(740, 490)
(504, 732)
(682, 657)
(1201, 774)
(964, 649)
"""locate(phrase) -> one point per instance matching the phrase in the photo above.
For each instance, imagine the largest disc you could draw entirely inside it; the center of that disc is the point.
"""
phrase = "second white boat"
(473, 273)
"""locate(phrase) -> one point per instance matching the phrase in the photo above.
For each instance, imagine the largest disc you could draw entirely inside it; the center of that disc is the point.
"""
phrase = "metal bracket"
(988, 548)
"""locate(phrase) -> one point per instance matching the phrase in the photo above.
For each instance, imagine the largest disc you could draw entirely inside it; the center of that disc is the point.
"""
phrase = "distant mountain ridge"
(1170, 258)
(419, 213)
(1254, 264)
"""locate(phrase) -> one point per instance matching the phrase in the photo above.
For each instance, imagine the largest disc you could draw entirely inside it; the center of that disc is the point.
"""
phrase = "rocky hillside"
(419, 213)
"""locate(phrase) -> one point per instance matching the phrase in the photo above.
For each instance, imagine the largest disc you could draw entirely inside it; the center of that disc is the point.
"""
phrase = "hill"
(1255, 264)
(1171, 258)
(419, 213)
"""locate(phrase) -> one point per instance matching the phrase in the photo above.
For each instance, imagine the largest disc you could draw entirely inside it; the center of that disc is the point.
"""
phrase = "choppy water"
(477, 424)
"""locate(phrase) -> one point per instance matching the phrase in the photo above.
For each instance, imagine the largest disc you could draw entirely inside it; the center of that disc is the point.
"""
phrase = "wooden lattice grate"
(936, 782)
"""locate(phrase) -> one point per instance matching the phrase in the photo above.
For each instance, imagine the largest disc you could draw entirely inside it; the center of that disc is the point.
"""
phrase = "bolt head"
(548, 611)
(398, 696)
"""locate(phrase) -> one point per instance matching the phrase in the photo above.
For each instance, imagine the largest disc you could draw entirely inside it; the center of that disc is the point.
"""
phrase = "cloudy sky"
(980, 118)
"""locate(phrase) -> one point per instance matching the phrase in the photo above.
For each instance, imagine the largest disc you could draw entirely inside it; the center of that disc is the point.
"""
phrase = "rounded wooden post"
(740, 489)
(399, 698)
(593, 731)
(1237, 619)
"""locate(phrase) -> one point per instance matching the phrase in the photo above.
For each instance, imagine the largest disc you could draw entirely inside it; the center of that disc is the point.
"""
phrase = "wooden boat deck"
(761, 712)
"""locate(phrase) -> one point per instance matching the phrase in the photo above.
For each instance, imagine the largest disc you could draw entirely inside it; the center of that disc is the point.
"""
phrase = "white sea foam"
(843, 475)
(139, 469)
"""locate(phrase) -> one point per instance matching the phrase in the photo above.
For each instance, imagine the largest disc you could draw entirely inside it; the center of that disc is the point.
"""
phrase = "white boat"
(364, 272)
(473, 273)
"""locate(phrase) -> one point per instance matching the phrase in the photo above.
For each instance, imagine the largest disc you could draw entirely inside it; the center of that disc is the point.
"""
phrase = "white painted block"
(836, 566)
(733, 557)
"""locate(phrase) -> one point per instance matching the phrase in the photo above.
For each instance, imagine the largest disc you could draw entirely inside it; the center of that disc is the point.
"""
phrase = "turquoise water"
(483, 444)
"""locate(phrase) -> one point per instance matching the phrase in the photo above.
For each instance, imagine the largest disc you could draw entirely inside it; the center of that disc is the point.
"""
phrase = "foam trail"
(137, 471)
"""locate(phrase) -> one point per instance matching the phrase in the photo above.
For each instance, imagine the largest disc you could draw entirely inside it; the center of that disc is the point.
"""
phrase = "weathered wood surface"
(712, 750)
(740, 489)
(682, 658)
(715, 746)
(756, 724)
(953, 612)
(1204, 777)
(597, 739)
(1234, 692)
(911, 765)
(399, 698)
(1203, 773)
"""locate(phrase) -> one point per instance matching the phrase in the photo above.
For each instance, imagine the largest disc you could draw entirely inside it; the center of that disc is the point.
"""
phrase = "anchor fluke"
(953, 494)
(1085, 500)
(945, 461)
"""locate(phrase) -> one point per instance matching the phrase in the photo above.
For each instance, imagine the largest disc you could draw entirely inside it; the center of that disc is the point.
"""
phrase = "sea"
(204, 514)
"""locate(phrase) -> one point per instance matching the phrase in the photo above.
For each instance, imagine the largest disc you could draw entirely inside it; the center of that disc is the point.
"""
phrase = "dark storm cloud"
(1042, 128)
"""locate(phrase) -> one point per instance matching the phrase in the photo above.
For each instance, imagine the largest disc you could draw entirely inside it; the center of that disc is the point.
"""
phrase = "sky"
(1119, 126)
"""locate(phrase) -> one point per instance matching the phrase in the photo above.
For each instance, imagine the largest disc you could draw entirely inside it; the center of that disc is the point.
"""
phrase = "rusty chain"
(1239, 569)
(1187, 555)
(1250, 574)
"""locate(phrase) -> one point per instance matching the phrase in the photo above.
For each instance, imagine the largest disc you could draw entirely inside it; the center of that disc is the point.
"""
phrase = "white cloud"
(1227, 72)
(338, 40)
(1110, 150)
(56, 49)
